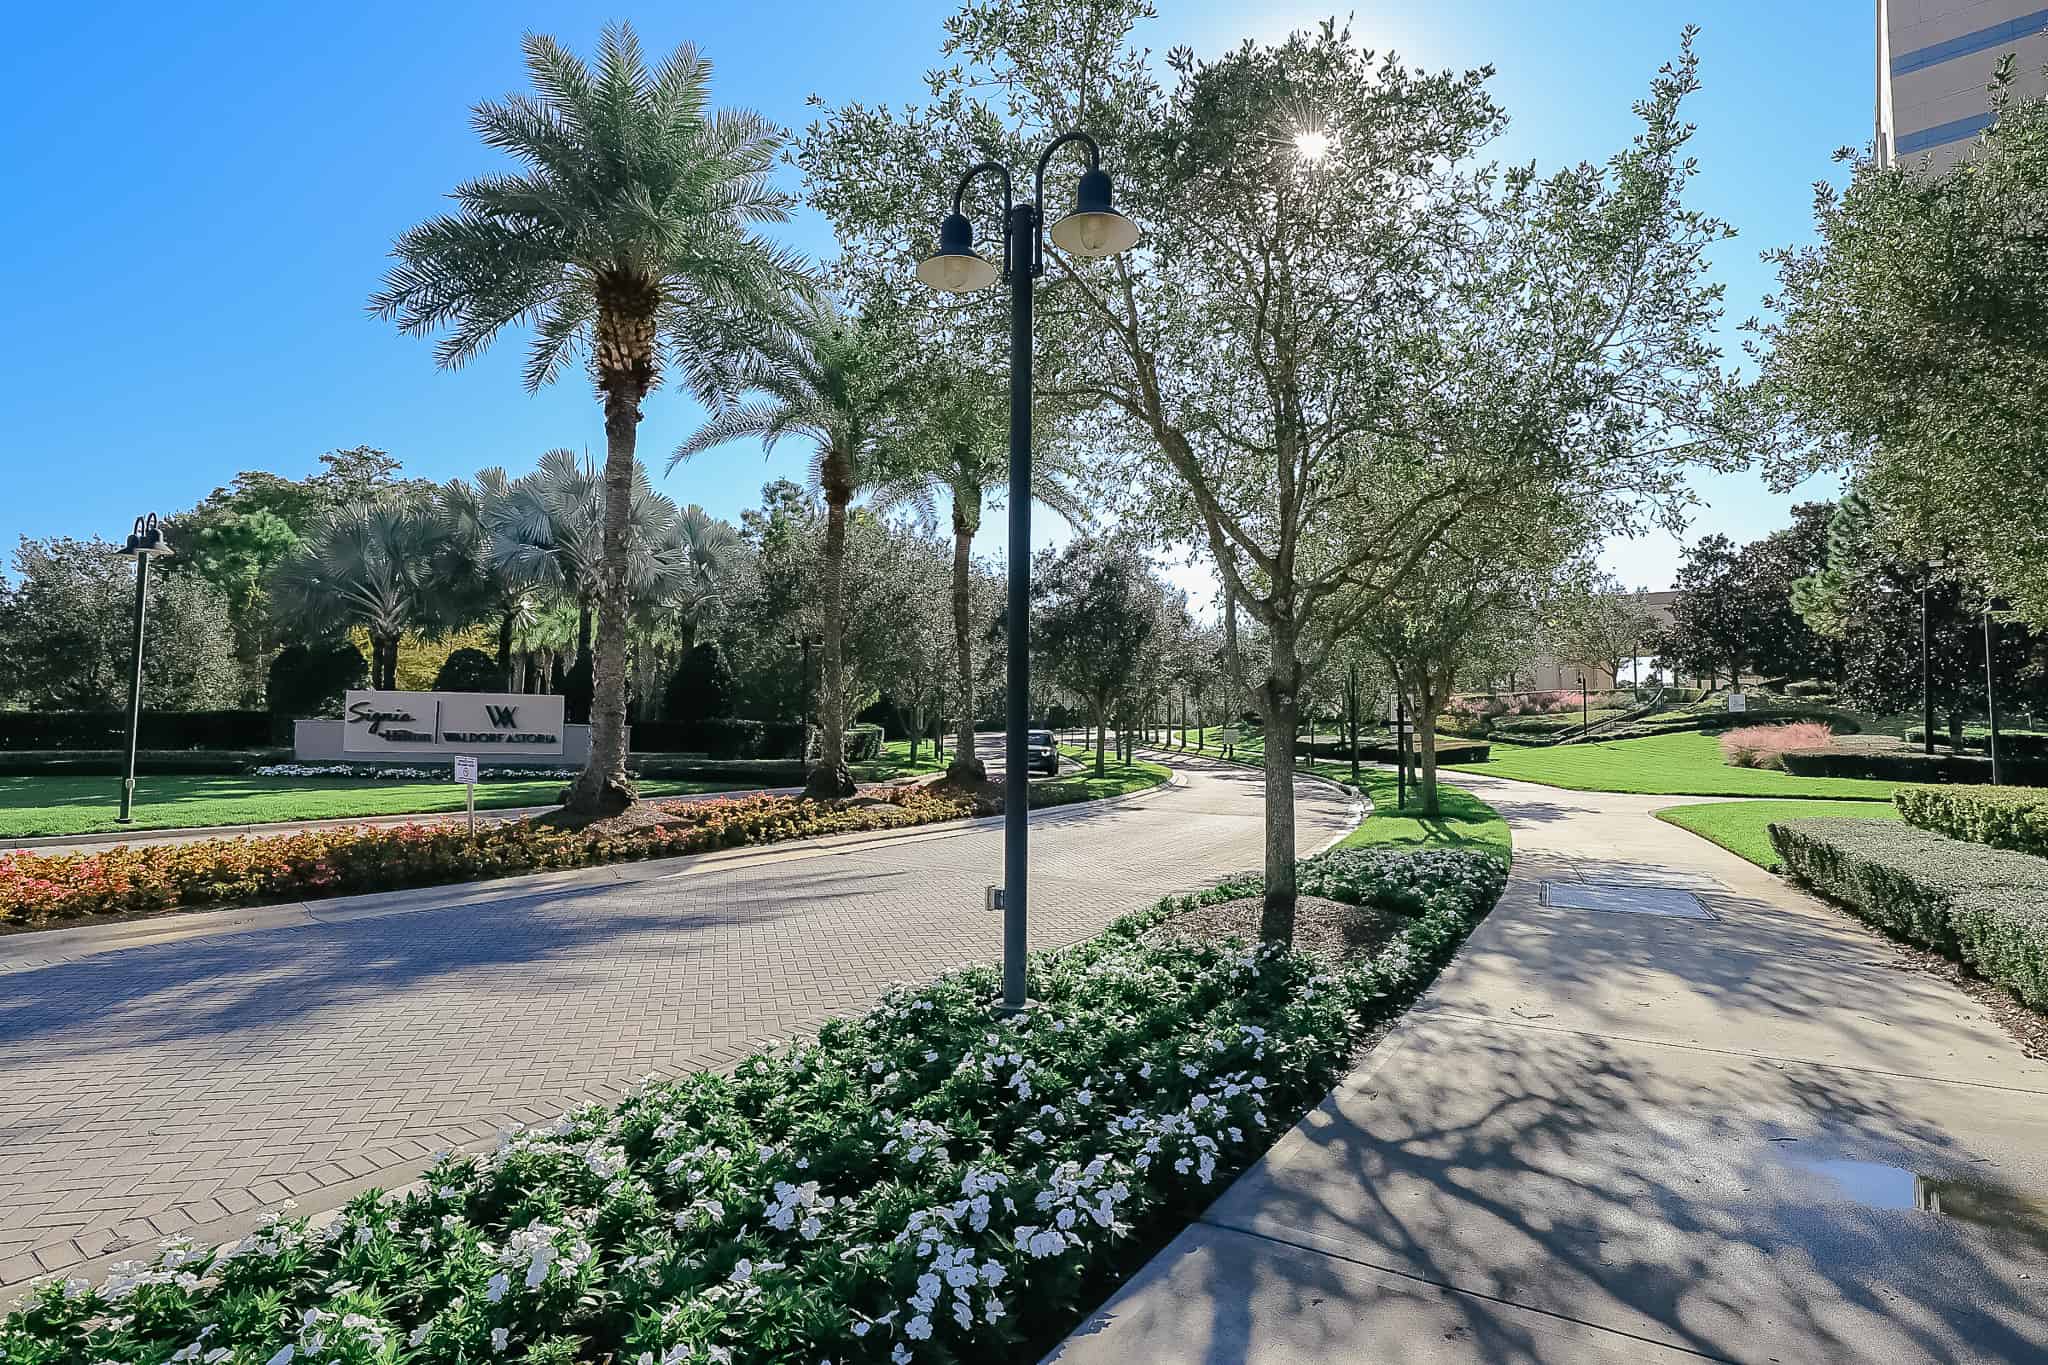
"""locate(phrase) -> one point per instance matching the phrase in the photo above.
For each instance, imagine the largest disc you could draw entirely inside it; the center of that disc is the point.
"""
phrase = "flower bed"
(927, 1183)
(38, 888)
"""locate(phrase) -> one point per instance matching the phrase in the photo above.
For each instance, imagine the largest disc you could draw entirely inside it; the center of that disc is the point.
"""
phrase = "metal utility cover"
(1628, 900)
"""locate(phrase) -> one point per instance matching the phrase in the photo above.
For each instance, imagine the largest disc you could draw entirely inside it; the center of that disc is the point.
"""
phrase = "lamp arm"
(1038, 189)
(1002, 173)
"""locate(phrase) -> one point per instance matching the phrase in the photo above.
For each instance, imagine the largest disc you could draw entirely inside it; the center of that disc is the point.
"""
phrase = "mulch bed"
(1330, 929)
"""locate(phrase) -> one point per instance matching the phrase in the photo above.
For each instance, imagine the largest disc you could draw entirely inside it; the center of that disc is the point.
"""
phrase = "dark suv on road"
(1043, 754)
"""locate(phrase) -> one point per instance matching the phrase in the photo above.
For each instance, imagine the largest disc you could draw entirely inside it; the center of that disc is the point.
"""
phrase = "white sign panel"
(1737, 702)
(465, 769)
(448, 722)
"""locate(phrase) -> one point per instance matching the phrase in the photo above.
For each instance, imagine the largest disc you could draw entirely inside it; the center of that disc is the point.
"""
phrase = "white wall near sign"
(509, 723)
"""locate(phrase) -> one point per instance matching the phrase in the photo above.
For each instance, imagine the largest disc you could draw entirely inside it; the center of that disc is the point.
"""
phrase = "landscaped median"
(929, 1183)
(38, 889)
(1983, 906)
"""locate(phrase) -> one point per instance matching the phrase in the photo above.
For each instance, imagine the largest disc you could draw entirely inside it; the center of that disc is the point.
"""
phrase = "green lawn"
(1683, 764)
(895, 762)
(1118, 779)
(1463, 820)
(31, 806)
(1742, 827)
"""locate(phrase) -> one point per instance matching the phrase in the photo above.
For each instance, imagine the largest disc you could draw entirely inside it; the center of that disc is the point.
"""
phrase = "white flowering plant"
(388, 773)
(930, 1182)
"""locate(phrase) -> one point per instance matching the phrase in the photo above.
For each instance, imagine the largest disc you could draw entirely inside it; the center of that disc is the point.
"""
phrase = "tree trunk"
(1101, 738)
(515, 680)
(1425, 734)
(967, 765)
(505, 652)
(830, 780)
(603, 788)
(1280, 707)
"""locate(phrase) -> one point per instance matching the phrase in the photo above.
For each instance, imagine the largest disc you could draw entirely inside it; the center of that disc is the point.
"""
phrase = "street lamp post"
(145, 540)
(1991, 687)
(1926, 674)
(1094, 228)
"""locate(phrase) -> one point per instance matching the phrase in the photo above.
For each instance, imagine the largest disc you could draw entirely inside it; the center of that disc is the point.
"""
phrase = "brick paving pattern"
(155, 1089)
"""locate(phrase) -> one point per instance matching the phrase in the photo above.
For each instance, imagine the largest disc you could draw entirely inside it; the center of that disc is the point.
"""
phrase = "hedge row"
(151, 762)
(1987, 908)
(2011, 743)
(159, 730)
(925, 1185)
(2014, 818)
(1671, 723)
(1459, 750)
(720, 737)
(1912, 767)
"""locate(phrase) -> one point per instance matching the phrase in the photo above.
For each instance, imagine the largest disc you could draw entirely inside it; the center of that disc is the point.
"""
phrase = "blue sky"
(200, 198)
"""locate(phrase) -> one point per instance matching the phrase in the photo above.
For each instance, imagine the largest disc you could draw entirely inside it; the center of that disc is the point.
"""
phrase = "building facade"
(1934, 60)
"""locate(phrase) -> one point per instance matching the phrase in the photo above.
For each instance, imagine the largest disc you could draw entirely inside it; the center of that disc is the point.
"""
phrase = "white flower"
(499, 1336)
(284, 1357)
(918, 1328)
(498, 1287)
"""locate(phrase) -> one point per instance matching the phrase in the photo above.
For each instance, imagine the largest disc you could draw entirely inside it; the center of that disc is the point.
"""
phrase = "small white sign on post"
(1737, 702)
(465, 773)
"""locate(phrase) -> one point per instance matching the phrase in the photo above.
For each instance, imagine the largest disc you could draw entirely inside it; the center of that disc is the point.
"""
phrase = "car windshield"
(1042, 738)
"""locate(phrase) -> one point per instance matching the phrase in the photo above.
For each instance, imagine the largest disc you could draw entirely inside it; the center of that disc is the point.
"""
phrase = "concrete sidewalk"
(1609, 1135)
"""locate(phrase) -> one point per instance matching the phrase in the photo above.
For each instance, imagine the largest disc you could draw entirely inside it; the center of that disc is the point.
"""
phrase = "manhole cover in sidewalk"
(1628, 900)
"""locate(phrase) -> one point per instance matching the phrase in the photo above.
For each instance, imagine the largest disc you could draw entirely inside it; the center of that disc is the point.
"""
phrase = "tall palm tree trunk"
(966, 766)
(625, 358)
(830, 780)
(505, 651)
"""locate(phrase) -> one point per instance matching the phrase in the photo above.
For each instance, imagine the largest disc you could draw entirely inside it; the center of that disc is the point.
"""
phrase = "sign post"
(465, 773)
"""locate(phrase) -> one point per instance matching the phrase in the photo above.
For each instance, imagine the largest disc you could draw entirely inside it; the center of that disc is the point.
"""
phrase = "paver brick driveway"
(181, 1085)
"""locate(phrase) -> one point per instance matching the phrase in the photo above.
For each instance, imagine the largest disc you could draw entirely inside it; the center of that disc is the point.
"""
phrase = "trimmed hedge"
(2011, 743)
(152, 762)
(160, 730)
(720, 737)
(2002, 817)
(1913, 767)
(1674, 722)
(1986, 908)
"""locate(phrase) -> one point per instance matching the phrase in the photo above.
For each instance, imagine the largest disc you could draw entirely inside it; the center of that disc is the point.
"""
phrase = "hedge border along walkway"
(927, 1183)
(2014, 818)
(39, 889)
(1984, 907)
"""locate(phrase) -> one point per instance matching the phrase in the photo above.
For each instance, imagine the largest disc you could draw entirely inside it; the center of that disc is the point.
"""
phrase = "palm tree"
(831, 379)
(955, 442)
(377, 565)
(548, 530)
(627, 240)
(486, 582)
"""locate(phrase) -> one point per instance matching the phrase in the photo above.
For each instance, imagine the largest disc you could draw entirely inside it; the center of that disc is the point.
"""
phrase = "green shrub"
(469, 670)
(149, 762)
(863, 743)
(160, 730)
(931, 1175)
(310, 680)
(1987, 908)
(2003, 817)
(2011, 743)
(1912, 767)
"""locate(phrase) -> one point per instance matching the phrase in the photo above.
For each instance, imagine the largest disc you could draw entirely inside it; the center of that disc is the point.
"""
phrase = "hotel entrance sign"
(451, 723)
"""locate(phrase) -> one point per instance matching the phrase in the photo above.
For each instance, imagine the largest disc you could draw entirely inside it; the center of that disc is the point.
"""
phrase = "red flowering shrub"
(38, 888)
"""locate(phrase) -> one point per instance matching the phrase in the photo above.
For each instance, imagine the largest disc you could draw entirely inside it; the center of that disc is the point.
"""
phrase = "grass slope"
(1742, 827)
(1118, 779)
(1683, 764)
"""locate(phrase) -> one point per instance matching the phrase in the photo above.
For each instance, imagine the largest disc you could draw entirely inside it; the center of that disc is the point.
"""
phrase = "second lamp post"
(1092, 229)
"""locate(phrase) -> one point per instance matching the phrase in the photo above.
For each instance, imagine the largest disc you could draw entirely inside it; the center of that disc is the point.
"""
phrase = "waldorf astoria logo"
(427, 722)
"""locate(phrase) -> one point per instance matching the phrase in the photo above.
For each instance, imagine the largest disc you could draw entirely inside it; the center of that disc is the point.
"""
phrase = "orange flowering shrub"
(38, 888)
